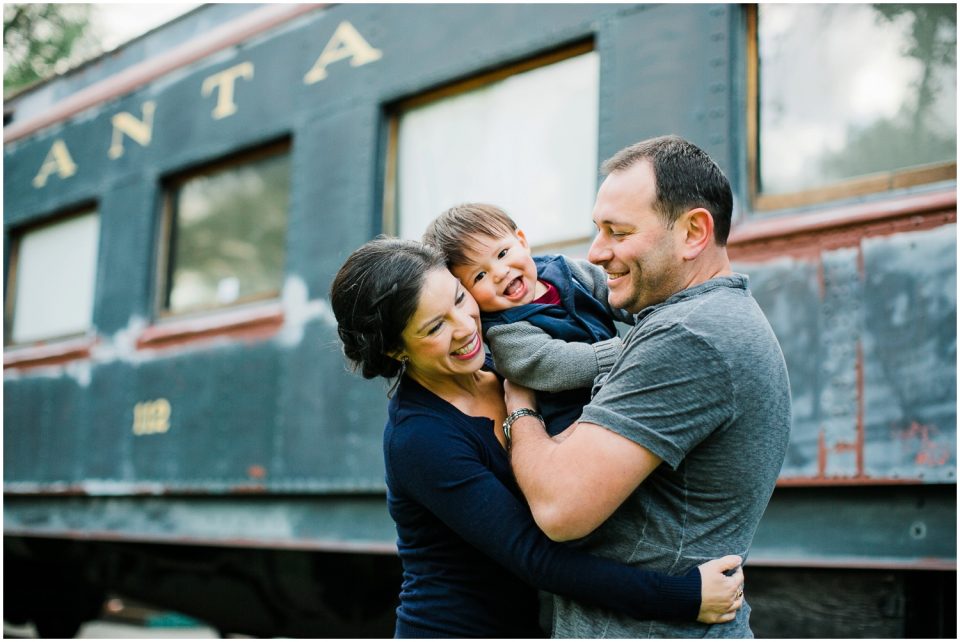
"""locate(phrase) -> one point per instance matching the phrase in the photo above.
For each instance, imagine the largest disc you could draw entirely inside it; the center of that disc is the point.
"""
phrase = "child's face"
(500, 272)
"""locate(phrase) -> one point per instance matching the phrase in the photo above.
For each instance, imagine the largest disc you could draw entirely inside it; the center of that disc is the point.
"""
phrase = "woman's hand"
(721, 596)
(517, 396)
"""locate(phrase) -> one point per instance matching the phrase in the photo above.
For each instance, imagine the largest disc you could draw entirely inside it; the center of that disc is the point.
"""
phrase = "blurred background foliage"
(40, 40)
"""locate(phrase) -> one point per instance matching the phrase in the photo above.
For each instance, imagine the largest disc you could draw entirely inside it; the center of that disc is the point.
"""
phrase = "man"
(700, 387)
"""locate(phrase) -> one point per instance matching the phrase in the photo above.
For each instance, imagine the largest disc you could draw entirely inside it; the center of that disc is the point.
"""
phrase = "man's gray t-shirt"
(702, 384)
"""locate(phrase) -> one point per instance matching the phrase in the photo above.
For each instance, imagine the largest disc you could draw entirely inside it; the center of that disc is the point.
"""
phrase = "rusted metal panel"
(841, 315)
(788, 291)
(869, 334)
(910, 348)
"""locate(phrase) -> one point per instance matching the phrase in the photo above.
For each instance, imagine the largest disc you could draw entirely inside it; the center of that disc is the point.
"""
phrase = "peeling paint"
(299, 310)
(922, 438)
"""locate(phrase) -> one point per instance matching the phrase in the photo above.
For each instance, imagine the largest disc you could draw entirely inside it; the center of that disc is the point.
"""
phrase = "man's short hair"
(454, 231)
(686, 178)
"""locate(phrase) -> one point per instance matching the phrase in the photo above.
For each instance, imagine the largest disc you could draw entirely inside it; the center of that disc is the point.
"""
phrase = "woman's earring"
(404, 361)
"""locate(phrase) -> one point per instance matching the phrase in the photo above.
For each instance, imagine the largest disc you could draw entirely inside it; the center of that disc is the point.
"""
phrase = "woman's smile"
(470, 350)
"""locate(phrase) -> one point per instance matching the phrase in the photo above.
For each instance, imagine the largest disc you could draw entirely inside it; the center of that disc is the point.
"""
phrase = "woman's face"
(443, 337)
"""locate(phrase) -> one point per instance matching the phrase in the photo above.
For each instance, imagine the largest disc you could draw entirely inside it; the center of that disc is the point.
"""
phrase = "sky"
(121, 22)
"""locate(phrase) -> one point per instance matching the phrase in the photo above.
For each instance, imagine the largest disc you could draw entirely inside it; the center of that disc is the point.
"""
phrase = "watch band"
(516, 414)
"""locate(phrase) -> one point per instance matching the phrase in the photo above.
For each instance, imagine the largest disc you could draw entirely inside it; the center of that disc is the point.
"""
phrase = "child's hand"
(517, 396)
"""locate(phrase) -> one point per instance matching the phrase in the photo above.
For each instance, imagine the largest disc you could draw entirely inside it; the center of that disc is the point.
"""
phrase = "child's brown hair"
(452, 231)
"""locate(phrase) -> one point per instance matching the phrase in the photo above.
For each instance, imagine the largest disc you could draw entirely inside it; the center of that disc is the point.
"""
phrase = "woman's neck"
(453, 387)
(477, 394)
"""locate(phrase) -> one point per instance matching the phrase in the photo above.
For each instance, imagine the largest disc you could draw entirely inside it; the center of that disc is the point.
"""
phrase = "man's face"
(639, 254)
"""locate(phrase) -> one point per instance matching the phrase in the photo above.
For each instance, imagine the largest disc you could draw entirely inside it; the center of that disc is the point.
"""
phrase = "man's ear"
(696, 228)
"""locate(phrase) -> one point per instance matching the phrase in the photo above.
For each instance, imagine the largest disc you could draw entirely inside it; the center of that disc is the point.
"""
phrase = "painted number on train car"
(151, 417)
(345, 43)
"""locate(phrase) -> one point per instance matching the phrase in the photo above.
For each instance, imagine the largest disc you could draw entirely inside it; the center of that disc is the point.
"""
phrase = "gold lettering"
(139, 130)
(346, 42)
(151, 417)
(58, 160)
(224, 81)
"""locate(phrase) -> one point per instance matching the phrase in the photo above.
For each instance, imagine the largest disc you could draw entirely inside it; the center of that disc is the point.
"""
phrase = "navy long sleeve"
(466, 536)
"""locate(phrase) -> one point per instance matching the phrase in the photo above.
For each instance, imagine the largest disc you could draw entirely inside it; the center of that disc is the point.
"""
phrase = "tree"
(40, 40)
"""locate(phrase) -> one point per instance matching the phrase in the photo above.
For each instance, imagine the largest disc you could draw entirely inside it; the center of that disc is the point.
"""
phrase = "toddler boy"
(545, 318)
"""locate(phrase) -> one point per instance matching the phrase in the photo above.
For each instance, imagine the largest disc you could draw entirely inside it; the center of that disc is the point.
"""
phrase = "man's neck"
(709, 265)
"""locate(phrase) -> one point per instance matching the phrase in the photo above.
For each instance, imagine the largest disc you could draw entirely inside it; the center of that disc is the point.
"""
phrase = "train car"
(180, 426)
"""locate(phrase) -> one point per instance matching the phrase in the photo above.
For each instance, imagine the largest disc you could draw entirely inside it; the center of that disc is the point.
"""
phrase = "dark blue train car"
(179, 423)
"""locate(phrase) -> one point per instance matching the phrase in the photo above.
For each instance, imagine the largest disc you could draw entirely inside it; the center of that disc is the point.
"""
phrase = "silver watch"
(516, 414)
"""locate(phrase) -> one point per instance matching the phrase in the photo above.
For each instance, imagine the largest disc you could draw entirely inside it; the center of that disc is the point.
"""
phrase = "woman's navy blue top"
(471, 551)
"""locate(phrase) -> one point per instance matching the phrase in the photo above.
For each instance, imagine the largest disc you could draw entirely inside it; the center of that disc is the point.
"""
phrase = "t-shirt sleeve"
(444, 471)
(669, 391)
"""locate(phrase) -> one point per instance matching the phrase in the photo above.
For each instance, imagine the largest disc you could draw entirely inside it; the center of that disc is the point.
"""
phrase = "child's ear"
(523, 237)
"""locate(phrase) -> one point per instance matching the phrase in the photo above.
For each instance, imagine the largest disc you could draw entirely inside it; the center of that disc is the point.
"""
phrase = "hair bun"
(373, 296)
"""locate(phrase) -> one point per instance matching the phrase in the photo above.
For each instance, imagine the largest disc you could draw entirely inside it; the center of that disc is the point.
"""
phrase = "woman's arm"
(445, 473)
(526, 354)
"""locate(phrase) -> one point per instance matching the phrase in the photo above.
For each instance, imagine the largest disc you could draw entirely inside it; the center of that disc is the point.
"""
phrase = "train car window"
(833, 118)
(52, 279)
(227, 233)
(524, 139)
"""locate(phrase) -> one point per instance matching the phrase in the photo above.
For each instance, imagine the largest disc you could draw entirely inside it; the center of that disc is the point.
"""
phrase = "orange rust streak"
(47, 355)
(845, 446)
(822, 454)
(827, 218)
(805, 236)
(861, 429)
(159, 337)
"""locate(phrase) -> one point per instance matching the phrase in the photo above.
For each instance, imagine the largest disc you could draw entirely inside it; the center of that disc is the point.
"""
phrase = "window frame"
(16, 238)
(389, 219)
(877, 183)
(167, 232)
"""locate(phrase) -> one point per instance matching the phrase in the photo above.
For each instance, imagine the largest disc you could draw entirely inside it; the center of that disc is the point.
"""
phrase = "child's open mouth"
(516, 289)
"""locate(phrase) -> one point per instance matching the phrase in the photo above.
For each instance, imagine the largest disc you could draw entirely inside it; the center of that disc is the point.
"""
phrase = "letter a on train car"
(346, 42)
(58, 160)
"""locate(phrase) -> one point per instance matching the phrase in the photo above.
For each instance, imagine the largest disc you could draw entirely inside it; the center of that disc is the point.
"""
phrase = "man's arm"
(575, 483)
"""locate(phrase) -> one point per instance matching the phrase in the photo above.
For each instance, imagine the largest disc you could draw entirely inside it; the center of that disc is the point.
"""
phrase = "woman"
(469, 546)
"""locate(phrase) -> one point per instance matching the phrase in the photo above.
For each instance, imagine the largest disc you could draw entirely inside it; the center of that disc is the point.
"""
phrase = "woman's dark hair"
(374, 295)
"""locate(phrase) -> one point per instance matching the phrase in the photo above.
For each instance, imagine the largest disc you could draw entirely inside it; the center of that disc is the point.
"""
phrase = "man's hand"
(721, 596)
